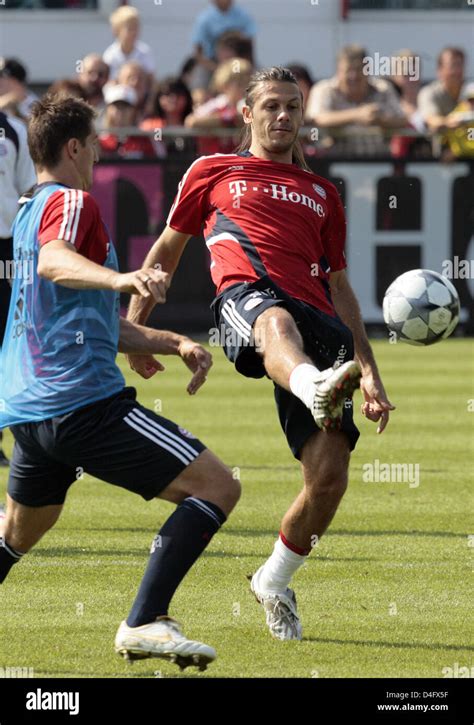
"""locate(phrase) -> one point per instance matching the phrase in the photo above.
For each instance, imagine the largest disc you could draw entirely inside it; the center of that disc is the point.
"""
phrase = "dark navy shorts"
(116, 440)
(326, 339)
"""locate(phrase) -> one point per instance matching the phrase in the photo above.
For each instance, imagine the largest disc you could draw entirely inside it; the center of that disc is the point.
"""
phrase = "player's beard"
(282, 146)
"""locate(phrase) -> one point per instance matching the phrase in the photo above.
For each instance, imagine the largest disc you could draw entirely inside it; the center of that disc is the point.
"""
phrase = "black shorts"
(326, 339)
(115, 439)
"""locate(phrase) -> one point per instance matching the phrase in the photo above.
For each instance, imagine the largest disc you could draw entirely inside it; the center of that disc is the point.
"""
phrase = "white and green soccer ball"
(421, 307)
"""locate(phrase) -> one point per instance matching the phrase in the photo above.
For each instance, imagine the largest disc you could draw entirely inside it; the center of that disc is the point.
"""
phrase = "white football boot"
(333, 386)
(162, 638)
(280, 611)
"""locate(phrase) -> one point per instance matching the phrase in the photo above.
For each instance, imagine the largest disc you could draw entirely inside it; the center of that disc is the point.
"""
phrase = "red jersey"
(73, 216)
(264, 218)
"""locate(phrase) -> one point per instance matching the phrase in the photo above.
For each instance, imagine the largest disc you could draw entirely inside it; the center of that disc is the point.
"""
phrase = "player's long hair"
(276, 73)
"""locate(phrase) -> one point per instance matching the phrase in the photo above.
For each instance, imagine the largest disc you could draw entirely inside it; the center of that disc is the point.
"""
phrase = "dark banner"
(400, 216)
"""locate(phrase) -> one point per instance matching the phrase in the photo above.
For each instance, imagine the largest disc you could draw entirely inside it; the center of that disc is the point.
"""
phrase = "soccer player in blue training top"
(284, 309)
(64, 397)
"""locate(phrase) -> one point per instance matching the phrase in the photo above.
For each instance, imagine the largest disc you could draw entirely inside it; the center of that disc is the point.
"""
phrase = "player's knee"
(226, 488)
(19, 541)
(24, 539)
(275, 322)
(210, 479)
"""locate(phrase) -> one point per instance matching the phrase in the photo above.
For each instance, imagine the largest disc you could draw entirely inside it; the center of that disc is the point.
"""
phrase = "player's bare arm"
(164, 255)
(60, 262)
(376, 404)
(145, 341)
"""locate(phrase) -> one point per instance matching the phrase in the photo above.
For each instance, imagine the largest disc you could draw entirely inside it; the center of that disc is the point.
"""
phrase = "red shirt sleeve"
(333, 234)
(73, 216)
(191, 205)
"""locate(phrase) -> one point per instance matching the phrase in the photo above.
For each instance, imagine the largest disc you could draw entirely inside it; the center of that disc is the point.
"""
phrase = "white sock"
(275, 575)
(302, 382)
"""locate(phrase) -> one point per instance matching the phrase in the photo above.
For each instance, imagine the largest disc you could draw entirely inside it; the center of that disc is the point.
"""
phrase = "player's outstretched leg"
(325, 461)
(206, 493)
(322, 391)
(22, 528)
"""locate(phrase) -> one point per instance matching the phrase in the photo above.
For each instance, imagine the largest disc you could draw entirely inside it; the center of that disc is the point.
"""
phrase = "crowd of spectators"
(354, 113)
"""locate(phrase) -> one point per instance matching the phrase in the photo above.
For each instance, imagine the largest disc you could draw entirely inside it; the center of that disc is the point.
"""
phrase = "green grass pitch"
(384, 594)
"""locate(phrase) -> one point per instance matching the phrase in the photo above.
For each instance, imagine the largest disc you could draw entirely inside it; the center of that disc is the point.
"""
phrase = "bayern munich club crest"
(186, 433)
(319, 190)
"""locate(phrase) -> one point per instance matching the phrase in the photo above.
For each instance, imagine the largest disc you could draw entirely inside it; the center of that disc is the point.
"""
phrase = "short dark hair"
(457, 52)
(240, 45)
(301, 73)
(54, 120)
(352, 53)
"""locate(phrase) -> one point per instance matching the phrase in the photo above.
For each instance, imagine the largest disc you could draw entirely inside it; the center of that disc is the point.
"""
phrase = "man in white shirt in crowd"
(438, 99)
(353, 101)
(15, 96)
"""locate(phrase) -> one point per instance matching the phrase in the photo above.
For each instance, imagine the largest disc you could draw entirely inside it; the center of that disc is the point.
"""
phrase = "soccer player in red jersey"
(284, 308)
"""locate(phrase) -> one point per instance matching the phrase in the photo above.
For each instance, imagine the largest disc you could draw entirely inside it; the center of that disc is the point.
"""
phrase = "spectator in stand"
(15, 97)
(133, 75)
(93, 76)
(437, 100)
(230, 81)
(352, 101)
(406, 84)
(220, 17)
(407, 87)
(187, 74)
(172, 104)
(125, 22)
(187, 69)
(304, 79)
(234, 44)
(121, 112)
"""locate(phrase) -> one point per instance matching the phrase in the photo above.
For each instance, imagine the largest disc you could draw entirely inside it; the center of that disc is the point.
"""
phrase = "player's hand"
(198, 360)
(144, 365)
(376, 405)
(148, 282)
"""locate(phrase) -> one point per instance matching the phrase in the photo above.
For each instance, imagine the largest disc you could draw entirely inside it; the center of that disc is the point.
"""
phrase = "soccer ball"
(421, 307)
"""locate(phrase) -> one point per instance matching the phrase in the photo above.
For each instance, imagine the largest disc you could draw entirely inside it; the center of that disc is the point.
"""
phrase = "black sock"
(180, 541)
(8, 557)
